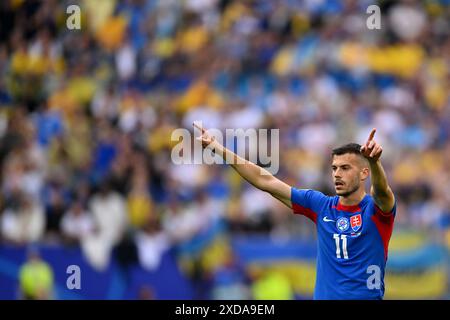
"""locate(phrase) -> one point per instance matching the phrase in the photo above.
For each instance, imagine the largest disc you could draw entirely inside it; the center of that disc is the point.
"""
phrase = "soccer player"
(353, 227)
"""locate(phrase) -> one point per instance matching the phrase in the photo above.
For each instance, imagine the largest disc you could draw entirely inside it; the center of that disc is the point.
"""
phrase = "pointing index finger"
(372, 134)
(198, 127)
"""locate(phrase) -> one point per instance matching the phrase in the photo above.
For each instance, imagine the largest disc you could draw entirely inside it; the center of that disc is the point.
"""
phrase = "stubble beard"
(348, 193)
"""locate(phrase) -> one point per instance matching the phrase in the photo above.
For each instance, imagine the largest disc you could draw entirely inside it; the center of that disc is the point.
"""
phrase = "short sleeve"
(307, 202)
(384, 221)
(386, 215)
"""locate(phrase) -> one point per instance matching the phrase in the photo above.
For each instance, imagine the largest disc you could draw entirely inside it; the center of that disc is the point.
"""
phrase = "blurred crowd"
(86, 115)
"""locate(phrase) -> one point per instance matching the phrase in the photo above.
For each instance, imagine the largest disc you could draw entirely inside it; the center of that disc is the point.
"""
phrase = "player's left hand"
(371, 149)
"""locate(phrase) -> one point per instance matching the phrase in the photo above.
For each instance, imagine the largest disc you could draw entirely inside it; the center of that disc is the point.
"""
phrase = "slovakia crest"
(342, 224)
(356, 222)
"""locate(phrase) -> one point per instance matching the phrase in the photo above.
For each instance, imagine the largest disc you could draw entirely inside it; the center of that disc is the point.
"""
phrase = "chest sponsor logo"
(356, 222)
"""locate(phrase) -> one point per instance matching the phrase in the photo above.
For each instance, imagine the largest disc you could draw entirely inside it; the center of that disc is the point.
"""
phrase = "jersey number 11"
(337, 239)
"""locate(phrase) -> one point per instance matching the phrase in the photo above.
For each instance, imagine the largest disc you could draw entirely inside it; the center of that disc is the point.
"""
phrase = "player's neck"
(353, 199)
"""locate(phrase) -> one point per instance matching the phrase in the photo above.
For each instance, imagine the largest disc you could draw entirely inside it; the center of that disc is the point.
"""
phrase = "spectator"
(272, 285)
(23, 221)
(109, 211)
(54, 213)
(36, 278)
(140, 205)
(110, 217)
(77, 223)
(152, 242)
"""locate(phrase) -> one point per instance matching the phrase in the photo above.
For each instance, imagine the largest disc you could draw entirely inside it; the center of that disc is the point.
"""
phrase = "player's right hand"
(205, 138)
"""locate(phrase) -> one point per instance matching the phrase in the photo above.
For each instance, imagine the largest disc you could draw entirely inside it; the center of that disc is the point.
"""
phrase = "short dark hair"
(354, 148)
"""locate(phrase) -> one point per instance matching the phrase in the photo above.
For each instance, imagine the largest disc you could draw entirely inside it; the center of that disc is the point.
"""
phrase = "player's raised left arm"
(380, 190)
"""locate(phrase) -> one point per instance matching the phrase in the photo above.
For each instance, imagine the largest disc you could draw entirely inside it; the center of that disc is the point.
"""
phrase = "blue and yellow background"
(86, 117)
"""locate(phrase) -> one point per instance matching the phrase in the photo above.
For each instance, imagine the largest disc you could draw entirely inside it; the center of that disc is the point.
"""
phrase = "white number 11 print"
(338, 246)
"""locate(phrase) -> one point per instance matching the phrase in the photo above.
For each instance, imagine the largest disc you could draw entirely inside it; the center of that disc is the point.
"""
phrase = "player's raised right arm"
(254, 174)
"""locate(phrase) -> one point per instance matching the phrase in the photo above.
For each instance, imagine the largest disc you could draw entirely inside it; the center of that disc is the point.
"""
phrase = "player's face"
(348, 173)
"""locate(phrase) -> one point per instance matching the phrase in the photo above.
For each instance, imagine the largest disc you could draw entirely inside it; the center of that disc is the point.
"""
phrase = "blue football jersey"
(352, 244)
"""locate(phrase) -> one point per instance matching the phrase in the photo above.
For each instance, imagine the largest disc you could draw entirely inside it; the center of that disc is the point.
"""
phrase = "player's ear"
(365, 173)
